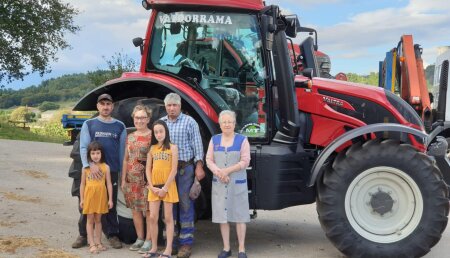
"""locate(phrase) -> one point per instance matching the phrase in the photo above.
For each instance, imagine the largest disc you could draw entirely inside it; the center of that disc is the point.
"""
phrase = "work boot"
(184, 251)
(115, 242)
(80, 242)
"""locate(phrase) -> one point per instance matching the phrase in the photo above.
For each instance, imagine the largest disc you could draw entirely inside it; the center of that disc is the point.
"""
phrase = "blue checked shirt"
(184, 132)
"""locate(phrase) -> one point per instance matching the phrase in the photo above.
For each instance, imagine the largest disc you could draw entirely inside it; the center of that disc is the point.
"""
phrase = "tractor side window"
(221, 54)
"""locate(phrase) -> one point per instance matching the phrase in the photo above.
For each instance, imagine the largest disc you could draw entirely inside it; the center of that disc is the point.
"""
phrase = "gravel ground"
(38, 216)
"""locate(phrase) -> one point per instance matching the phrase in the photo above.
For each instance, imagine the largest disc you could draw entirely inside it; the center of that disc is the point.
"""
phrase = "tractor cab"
(221, 54)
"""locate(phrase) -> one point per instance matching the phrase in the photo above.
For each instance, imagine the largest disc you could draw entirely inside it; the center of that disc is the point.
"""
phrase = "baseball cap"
(104, 97)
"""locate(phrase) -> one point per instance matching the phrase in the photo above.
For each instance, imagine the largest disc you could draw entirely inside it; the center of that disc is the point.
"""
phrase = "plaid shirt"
(184, 132)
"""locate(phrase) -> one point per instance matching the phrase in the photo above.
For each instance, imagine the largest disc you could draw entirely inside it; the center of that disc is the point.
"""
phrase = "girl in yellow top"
(95, 200)
(162, 162)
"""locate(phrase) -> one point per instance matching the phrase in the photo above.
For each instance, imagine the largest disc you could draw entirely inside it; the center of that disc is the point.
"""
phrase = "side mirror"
(292, 24)
(310, 31)
(139, 42)
(146, 5)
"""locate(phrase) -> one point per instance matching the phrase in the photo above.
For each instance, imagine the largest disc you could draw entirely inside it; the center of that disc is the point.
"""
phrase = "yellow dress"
(161, 167)
(95, 193)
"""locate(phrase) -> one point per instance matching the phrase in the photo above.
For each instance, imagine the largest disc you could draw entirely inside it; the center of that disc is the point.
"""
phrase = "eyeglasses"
(227, 122)
(140, 117)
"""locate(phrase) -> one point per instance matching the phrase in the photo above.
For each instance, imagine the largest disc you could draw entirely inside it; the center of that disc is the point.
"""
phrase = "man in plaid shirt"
(185, 133)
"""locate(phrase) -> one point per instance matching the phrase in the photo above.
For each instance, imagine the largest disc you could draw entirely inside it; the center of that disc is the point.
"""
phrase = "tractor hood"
(369, 104)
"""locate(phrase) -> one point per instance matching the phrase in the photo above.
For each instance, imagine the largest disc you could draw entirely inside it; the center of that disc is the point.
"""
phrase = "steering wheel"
(244, 64)
(188, 63)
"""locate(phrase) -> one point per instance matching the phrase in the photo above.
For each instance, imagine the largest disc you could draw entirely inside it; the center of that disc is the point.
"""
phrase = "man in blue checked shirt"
(184, 132)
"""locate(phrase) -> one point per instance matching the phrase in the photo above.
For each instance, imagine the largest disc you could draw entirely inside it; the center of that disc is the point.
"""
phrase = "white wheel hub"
(383, 204)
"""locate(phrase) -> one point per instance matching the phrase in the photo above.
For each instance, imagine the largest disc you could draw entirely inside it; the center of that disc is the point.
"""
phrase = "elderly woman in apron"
(228, 157)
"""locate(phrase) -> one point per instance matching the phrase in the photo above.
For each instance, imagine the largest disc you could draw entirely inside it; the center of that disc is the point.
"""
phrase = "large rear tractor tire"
(383, 199)
(123, 109)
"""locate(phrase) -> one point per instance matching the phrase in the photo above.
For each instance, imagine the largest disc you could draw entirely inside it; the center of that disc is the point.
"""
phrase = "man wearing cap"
(111, 133)
(185, 133)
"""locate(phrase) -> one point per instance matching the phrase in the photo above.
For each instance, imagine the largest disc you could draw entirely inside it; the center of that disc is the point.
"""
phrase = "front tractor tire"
(382, 199)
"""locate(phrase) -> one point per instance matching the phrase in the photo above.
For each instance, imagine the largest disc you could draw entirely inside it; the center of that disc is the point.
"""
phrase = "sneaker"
(184, 251)
(81, 241)
(146, 246)
(242, 255)
(137, 245)
(224, 254)
(115, 242)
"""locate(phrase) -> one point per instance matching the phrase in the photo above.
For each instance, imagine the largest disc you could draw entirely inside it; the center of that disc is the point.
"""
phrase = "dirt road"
(38, 216)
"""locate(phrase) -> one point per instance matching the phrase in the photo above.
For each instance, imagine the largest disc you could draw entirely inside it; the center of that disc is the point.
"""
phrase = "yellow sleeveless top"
(95, 193)
(161, 167)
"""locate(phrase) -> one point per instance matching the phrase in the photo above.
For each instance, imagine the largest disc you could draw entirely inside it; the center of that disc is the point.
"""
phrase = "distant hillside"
(72, 87)
(65, 88)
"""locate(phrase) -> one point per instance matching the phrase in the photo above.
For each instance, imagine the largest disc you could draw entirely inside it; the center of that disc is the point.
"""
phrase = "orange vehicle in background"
(402, 72)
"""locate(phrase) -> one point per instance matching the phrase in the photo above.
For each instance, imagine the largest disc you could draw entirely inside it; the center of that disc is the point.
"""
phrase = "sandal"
(101, 247)
(150, 255)
(93, 249)
(165, 255)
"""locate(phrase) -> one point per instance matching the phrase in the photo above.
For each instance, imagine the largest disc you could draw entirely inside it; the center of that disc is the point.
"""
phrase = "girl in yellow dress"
(95, 200)
(162, 161)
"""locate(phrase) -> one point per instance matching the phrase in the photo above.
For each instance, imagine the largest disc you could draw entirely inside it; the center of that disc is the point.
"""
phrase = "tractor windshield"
(221, 54)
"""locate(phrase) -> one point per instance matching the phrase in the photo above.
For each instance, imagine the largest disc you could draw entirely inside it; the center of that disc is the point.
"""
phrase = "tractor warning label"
(197, 18)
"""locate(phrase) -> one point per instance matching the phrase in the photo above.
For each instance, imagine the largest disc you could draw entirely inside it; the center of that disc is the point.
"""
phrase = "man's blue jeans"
(184, 212)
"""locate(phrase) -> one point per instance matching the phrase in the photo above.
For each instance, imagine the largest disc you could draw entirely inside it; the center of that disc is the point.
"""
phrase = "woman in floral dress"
(133, 176)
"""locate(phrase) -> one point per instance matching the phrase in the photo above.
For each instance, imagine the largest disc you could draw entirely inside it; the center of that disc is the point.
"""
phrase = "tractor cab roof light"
(146, 5)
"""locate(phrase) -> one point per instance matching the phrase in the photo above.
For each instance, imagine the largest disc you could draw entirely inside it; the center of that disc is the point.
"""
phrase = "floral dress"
(135, 190)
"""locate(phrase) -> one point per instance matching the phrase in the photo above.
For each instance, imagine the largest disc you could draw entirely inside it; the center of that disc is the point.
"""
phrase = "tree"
(22, 114)
(117, 64)
(32, 33)
(47, 105)
(371, 79)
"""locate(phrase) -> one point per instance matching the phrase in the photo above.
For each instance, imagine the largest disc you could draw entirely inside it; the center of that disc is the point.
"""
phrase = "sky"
(356, 34)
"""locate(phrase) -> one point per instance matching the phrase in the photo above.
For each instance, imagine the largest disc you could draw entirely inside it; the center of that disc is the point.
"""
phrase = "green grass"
(10, 132)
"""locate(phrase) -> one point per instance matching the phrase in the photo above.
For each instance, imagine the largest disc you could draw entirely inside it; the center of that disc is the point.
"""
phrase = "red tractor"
(319, 62)
(360, 152)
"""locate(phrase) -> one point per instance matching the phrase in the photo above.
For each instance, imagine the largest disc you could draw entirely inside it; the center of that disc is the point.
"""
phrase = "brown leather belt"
(183, 164)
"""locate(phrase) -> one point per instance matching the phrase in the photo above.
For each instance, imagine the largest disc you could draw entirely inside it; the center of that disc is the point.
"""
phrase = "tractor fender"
(140, 86)
(372, 128)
